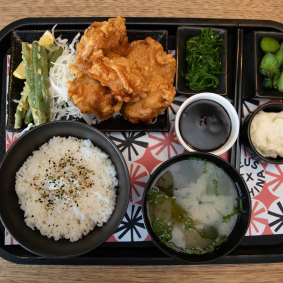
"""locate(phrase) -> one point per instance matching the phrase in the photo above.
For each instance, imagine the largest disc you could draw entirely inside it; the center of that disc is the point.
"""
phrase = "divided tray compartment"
(240, 85)
(252, 55)
(114, 124)
(183, 34)
(261, 91)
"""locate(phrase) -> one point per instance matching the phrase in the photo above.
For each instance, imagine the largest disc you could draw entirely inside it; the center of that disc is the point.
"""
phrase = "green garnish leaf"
(189, 224)
(161, 229)
(226, 218)
(195, 158)
(210, 249)
(155, 196)
(204, 166)
(192, 251)
(215, 187)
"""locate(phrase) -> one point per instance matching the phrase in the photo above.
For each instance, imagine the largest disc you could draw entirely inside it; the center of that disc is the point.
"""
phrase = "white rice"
(66, 188)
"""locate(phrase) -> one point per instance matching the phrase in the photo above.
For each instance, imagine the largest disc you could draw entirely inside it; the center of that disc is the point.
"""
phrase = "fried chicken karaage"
(107, 36)
(91, 97)
(101, 51)
(118, 73)
(139, 74)
(158, 70)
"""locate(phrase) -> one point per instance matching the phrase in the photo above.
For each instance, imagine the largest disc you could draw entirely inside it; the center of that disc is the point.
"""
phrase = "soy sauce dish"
(196, 207)
(207, 122)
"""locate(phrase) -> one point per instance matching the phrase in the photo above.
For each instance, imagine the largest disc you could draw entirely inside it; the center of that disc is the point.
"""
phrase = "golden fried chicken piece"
(158, 69)
(151, 59)
(101, 52)
(105, 36)
(140, 74)
(118, 73)
(129, 76)
(91, 97)
(146, 109)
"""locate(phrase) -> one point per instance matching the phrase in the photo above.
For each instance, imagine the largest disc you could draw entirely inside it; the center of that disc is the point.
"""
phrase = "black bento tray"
(241, 85)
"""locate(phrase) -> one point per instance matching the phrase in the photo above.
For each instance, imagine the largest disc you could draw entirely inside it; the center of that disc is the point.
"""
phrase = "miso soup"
(193, 206)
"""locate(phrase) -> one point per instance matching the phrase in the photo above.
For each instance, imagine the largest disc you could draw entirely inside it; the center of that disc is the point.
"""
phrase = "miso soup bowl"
(226, 105)
(243, 217)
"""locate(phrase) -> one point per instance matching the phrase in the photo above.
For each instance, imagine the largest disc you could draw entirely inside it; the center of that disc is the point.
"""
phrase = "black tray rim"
(29, 21)
(236, 23)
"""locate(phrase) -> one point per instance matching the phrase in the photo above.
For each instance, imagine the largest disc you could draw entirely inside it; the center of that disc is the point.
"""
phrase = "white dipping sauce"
(267, 134)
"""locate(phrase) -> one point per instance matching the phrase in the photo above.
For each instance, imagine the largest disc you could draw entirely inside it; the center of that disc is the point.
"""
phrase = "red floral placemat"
(144, 151)
(265, 183)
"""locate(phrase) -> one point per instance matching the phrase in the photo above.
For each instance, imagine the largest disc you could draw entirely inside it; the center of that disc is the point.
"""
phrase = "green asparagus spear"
(37, 73)
(45, 81)
(22, 108)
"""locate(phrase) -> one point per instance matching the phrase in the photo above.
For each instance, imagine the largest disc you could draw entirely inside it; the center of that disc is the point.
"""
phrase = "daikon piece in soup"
(193, 206)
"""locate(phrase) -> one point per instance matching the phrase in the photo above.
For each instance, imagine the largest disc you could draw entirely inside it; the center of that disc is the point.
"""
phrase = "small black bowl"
(240, 227)
(261, 91)
(245, 132)
(183, 34)
(13, 217)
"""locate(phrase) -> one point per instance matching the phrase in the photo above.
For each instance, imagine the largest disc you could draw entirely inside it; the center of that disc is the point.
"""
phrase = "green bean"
(37, 61)
(22, 108)
(54, 53)
(37, 72)
(28, 117)
(45, 81)
(27, 57)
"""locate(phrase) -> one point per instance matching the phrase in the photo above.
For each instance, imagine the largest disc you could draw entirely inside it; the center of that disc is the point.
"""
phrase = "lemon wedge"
(46, 39)
(20, 71)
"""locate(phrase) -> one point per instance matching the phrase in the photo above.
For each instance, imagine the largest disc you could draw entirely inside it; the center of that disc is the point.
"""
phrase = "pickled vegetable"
(279, 56)
(275, 80)
(269, 65)
(269, 44)
(267, 82)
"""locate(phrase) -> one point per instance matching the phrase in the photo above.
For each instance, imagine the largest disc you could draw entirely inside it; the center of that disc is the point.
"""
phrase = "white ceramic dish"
(229, 109)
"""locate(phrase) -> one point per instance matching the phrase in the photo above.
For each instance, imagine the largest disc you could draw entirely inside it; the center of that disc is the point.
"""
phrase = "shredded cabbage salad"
(59, 75)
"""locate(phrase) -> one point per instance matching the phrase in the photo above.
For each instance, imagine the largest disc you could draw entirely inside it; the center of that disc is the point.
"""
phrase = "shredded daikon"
(59, 75)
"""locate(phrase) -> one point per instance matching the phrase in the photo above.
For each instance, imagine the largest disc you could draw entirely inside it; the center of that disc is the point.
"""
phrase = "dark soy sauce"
(205, 125)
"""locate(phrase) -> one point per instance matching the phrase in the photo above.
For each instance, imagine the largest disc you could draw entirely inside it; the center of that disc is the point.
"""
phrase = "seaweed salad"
(203, 58)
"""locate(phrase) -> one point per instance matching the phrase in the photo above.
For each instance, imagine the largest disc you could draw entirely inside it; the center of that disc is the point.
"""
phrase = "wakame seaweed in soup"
(193, 206)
